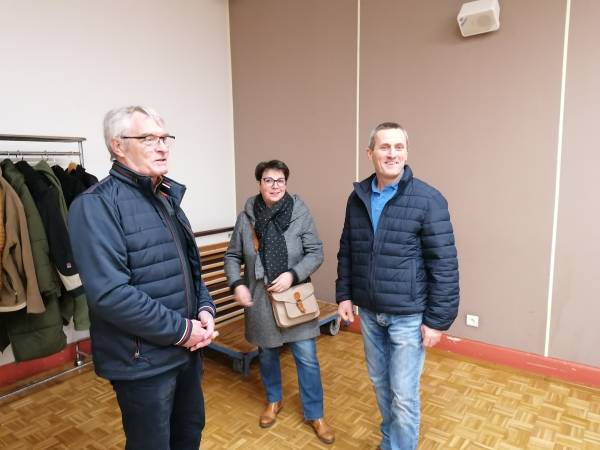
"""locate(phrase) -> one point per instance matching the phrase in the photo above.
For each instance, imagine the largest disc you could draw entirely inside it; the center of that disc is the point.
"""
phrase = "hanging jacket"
(73, 303)
(49, 205)
(45, 271)
(19, 286)
(2, 231)
(71, 186)
(46, 192)
(34, 335)
(84, 177)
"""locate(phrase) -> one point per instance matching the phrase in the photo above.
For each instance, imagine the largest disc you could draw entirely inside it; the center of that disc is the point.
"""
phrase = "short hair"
(273, 164)
(118, 121)
(386, 126)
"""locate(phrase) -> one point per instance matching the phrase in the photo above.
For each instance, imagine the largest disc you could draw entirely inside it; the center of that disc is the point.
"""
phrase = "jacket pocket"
(137, 348)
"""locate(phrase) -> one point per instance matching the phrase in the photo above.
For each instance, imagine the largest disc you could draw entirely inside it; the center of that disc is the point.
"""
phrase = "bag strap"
(254, 238)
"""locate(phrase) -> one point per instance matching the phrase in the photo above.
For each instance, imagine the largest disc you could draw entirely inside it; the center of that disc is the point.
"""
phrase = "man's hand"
(282, 282)
(207, 322)
(199, 337)
(345, 311)
(430, 336)
(242, 295)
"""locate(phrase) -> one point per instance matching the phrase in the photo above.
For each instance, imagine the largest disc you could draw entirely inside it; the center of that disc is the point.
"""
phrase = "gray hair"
(118, 121)
(386, 126)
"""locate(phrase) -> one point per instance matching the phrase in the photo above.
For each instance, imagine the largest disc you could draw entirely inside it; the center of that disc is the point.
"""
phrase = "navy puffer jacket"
(409, 266)
(133, 269)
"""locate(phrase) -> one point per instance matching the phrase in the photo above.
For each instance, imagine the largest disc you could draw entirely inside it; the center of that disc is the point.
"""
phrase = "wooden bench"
(229, 320)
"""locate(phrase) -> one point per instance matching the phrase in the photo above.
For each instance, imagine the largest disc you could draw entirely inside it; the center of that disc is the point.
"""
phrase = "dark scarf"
(270, 225)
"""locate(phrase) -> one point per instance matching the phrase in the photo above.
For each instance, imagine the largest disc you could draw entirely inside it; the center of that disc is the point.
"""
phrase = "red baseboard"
(528, 362)
(17, 371)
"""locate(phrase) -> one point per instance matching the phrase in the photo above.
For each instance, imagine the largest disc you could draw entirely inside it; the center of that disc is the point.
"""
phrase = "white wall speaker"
(480, 16)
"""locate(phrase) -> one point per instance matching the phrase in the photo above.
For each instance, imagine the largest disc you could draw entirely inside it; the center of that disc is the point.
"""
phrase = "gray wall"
(483, 116)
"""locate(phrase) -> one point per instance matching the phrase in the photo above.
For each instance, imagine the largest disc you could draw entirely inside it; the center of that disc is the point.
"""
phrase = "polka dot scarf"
(270, 225)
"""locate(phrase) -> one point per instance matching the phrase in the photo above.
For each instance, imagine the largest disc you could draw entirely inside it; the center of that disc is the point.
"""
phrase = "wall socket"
(472, 320)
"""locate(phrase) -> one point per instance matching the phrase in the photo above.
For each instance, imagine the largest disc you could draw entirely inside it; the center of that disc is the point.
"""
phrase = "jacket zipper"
(413, 279)
(179, 252)
(190, 234)
(374, 243)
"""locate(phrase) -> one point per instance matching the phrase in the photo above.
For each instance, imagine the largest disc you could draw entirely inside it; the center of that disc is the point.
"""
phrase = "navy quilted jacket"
(409, 266)
(133, 270)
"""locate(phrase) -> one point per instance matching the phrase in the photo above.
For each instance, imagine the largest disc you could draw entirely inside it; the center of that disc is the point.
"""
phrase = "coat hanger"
(72, 166)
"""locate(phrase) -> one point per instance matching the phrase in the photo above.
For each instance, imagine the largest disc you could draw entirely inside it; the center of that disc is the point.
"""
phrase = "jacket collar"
(166, 187)
(363, 188)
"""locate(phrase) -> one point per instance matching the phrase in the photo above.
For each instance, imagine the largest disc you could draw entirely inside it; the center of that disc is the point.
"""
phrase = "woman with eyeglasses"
(289, 251)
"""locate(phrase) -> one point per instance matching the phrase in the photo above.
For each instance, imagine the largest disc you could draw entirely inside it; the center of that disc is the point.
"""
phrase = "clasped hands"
(203, 332)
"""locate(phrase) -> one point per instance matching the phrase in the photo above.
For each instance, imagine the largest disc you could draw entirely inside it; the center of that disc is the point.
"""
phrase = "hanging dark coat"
(71, 185)
(86, 178)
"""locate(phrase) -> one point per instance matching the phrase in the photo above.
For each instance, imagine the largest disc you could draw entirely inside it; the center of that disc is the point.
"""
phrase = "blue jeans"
(395, 357)
(165, 411)
(309, 376)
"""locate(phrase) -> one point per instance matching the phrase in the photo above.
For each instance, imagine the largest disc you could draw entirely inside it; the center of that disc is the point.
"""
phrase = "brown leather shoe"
(267, 418)
(323, 431)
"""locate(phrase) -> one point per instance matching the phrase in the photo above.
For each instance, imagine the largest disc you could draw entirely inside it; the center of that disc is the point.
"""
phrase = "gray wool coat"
(305, 255)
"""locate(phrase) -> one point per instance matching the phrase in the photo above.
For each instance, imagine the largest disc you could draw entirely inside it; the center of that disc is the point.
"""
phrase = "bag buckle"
(299, 303)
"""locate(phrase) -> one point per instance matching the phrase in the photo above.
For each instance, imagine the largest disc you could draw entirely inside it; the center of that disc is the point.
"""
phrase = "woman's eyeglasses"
(272, 181)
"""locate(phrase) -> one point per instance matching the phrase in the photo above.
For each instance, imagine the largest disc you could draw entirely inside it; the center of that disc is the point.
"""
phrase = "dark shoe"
(323, 431)
(267, 418)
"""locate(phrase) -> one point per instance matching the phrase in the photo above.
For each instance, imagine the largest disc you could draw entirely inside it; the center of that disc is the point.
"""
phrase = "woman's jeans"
(395, 356)
(165, 411)
(309, 376)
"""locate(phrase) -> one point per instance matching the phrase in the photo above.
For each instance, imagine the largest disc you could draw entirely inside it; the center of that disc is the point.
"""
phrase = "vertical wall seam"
(559, 150)
(357, 150)
(230, 75)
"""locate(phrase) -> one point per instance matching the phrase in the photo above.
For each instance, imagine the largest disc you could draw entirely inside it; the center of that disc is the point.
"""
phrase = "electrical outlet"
(472, 320)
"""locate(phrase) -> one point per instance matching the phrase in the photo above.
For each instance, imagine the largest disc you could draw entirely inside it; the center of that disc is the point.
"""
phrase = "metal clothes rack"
(32, 138)
(80, 355)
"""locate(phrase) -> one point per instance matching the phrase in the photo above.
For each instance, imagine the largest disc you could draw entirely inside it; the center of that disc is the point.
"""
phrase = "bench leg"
(247, 361)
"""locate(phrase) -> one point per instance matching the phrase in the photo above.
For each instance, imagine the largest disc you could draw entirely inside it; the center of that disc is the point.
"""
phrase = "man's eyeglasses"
(272, 181)
(151, 140)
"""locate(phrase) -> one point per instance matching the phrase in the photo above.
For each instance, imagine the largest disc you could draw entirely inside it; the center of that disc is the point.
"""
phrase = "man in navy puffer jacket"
(149, 309)
(397, 262)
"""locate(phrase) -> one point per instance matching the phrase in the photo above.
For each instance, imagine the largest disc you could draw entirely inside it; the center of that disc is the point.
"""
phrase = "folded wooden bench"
(229, 320)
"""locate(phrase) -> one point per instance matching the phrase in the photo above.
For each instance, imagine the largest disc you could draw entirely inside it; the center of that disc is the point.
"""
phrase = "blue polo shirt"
(379, 200)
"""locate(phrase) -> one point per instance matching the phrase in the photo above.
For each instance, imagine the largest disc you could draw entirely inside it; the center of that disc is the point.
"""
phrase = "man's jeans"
(395, 356)
(165, 411)
(309, 376)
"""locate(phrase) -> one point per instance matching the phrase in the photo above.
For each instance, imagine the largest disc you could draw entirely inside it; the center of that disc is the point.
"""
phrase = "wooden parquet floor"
(465, 405)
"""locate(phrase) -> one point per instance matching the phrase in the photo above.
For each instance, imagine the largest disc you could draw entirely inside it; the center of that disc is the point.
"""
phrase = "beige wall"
(483, 115)
(575, 309)
(482, 125)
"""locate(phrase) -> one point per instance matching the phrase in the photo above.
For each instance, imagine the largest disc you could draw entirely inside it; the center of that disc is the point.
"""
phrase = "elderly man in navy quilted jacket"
(397, 262)
(149, 309)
